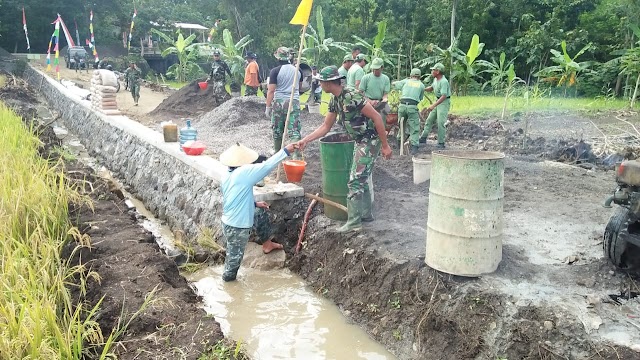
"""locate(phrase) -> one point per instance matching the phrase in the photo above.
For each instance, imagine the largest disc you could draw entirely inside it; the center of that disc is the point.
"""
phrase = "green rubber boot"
(277, 144)
(367, 207)
(354, 209)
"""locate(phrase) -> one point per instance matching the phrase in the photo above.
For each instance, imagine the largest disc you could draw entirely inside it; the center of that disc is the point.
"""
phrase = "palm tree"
(187, 53)
(375, 50)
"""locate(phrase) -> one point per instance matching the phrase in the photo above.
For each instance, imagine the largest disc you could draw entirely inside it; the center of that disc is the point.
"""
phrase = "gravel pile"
(242, 119)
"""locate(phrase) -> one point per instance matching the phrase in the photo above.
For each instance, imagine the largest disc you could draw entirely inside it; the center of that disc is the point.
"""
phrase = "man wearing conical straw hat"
(238, 205)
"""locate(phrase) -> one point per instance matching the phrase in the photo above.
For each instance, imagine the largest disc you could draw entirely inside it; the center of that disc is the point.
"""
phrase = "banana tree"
(187, 52)
(233, 54)
(465, 67)
(630, 62)
(315, 43)
(568, 69)
(499, 72)
(375, 50)
(510, 86)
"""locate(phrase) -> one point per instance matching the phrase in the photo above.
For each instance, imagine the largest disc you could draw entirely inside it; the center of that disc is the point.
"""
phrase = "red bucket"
(203, 85)
(294, 169)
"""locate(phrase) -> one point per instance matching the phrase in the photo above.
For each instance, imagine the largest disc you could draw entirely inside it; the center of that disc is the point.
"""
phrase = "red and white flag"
(24, 26)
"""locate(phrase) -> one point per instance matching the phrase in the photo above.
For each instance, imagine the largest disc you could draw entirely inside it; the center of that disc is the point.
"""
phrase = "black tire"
(614, 244)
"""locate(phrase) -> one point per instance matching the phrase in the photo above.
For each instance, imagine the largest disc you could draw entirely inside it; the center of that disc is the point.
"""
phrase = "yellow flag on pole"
(302, 14)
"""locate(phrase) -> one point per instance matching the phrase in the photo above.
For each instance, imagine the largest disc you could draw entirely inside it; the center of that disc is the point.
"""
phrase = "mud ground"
(551, 296)
(131, 267)
(554, 296)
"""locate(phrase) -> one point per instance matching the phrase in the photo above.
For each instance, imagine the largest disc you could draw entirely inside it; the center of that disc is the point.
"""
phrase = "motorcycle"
(621, 240)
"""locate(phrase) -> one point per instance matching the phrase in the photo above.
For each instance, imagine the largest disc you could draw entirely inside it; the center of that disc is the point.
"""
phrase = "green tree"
(568, 69)
(233, 54)
(315, 42)
(187, 52)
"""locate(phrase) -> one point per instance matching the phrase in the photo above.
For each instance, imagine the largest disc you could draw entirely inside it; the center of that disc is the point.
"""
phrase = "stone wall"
(182, 190)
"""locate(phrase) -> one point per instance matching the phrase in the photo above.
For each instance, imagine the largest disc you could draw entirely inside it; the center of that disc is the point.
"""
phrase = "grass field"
(39, 319)
(491, 105)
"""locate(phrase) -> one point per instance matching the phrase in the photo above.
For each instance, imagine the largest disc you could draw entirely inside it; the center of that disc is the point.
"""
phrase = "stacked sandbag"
(103, 92)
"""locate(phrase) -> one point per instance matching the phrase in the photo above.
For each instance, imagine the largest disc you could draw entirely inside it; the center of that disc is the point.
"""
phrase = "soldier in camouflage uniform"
(217, 77)
(364, 124)
(281, 80)
(238, 205)
(132, 74)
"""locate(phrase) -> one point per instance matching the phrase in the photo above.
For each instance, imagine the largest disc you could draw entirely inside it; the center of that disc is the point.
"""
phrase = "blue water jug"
(187, 133)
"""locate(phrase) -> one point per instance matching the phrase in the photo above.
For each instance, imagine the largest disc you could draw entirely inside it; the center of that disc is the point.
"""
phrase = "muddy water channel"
(279, 317)
(273, 313)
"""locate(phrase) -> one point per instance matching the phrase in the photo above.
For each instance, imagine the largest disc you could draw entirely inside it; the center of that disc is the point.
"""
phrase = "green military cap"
(361, 57)
(328, 73)
(416, 72)
(376, 64)
(439, 67)
(347, 57)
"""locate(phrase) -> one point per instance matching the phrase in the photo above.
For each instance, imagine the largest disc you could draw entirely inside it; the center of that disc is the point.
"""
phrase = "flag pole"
(293, 89)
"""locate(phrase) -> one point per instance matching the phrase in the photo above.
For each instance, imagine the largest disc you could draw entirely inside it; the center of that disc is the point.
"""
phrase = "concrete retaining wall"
(181, 189)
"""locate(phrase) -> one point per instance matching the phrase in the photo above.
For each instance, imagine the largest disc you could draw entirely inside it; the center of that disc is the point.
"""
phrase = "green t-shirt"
(374, 87)
(355, 73)
(411, 89)
(342, 71)
(441, 87)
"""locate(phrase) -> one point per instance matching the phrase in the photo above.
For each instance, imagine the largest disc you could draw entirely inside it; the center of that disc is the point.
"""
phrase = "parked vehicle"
(621, 240)
(72, 53)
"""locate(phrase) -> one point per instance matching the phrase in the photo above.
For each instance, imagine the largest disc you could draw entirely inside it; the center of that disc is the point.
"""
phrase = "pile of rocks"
(104, 85)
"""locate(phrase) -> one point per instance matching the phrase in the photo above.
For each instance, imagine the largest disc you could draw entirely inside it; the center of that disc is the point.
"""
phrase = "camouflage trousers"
(236, 241)
(219, 91)
(134, 88)
(365, 153)
(279, 117)
(250, 91)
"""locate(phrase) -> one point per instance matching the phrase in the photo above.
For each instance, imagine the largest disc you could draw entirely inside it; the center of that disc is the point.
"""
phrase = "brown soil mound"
(189, 101)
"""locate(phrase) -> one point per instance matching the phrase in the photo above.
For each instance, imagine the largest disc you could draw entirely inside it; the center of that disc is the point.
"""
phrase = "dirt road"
(149, 99)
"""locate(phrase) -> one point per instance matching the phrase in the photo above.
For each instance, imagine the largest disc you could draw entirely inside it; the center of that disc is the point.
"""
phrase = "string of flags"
(92, 41)
(133, 20)
(55, 40)
(24, 26)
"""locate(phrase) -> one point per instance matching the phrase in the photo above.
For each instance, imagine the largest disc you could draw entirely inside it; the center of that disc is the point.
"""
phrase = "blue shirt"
(238, 206)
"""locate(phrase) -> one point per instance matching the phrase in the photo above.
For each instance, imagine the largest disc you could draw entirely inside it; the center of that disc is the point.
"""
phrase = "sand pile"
(189, 101)
(242, 119)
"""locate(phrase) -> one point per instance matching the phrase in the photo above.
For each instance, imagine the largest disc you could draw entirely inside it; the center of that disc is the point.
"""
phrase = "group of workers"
(358, 103)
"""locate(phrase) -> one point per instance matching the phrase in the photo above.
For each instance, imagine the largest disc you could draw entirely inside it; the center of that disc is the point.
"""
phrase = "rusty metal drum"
(465, 220)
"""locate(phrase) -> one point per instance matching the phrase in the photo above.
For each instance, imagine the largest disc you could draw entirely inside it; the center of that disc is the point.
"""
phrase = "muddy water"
(273, 313)
(278, 317)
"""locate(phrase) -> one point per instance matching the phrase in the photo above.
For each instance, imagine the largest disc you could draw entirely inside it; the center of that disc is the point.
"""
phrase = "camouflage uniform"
(250, 91)
(133, 82)
(236, 241)
(279, 117)
(362, 129)
(217, 77)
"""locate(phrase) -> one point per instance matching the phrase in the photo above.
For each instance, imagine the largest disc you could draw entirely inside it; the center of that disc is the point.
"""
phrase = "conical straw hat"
(238, 155)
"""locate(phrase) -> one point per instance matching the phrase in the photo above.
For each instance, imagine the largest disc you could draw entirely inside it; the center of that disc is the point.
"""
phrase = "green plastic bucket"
(336, 153)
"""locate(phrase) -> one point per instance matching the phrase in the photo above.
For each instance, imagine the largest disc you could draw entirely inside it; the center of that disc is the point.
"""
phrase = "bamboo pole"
(326, 202)
(293, 89)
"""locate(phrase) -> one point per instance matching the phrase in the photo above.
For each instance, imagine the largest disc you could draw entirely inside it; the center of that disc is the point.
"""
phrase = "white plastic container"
(421, 168)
